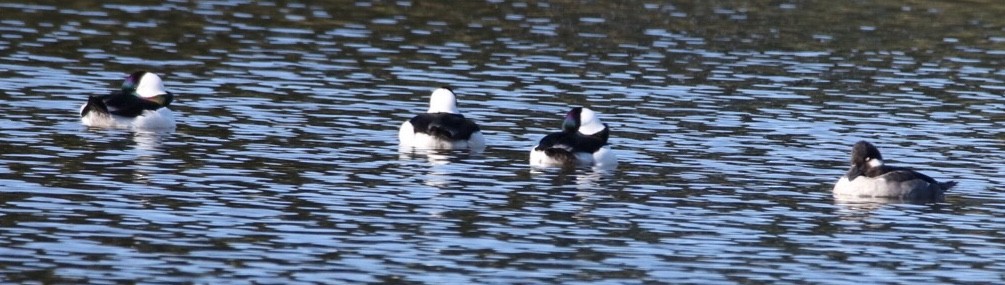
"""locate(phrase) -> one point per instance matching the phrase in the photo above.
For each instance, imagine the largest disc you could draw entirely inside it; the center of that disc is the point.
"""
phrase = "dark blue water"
(731, 119)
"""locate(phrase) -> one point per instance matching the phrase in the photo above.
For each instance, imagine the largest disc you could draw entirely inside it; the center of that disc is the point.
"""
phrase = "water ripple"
(285, 166)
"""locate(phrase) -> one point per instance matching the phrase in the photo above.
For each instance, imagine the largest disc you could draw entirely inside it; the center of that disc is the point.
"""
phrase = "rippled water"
(732, 121)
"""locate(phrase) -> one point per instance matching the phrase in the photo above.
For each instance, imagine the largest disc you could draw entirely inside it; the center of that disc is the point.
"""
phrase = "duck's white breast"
(604, 158)
(881, 188)
(158, 119)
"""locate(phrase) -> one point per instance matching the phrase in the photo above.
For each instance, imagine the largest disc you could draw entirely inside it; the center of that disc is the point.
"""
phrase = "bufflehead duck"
(141, 104)
(582, 142)
(442, 126)
(870, 178)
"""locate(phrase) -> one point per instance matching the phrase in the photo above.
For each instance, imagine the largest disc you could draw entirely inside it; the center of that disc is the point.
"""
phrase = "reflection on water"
(441, 165)
(147, 153)
(731, 121)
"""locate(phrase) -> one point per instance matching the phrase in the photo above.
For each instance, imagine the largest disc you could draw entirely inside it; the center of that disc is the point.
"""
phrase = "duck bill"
(853, 173)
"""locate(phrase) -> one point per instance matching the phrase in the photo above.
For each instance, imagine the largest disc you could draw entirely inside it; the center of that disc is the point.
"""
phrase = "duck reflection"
(854, 208)
(582, 178)
(148, 150)
(444, 164)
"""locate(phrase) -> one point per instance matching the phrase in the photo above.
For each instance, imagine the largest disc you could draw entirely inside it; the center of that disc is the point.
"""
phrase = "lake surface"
(731, 119)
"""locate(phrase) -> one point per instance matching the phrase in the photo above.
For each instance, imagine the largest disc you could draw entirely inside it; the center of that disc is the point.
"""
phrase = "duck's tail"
(946, 185)
(94, 104)
(441, 132)
(560, 154)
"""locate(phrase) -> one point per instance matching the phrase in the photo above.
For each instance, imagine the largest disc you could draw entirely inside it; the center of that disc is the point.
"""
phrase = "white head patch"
(443, 101)
(589, 123)
(150, 85)
(875, 162)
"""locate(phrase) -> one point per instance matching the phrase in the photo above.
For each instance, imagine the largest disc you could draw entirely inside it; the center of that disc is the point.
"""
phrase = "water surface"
(732, 120)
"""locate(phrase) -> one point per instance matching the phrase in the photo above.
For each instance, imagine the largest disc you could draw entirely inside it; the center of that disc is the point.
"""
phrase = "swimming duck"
(869, 177)
(582, 142)
(442, 126)
(140, 104)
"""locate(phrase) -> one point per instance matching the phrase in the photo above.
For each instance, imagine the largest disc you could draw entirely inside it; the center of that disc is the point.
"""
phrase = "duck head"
(864, 156)
(589, 123)
(443, 100)
(148, 86)
(572, 119)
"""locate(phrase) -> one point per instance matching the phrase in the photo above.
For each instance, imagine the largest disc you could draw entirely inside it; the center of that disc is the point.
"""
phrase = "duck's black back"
(120, 104)
(445, 126)
(897, 174)
(573, 141)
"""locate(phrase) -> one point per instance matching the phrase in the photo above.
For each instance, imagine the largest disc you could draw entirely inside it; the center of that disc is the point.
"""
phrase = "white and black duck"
(140, 104)
(869, 177)
(582, 142)
(441, 127)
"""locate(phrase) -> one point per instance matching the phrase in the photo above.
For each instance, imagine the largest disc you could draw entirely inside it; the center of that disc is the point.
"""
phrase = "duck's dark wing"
(94, 104)
(445, 126)
(559, 146)
(574, 141)
(125, 104)
(561, 140)
(897, 174)
(591, 143)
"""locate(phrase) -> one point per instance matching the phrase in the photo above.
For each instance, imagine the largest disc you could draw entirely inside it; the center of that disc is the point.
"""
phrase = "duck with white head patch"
(140, 104)
(582, 142)
(869, 177)
(441, 127)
